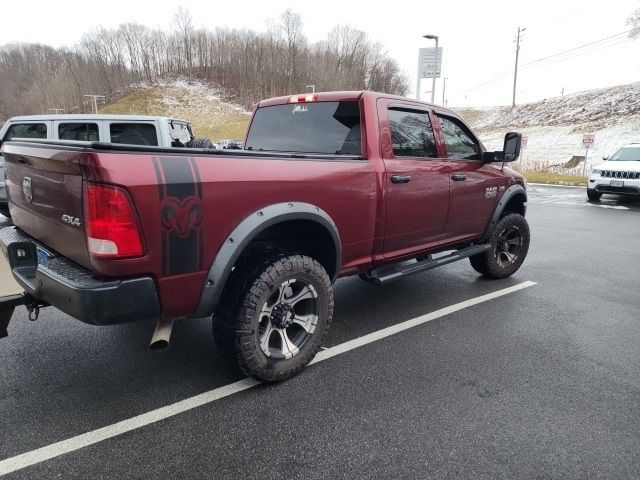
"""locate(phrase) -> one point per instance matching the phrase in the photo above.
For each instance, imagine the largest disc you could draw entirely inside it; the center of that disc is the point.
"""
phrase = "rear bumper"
(75, 290)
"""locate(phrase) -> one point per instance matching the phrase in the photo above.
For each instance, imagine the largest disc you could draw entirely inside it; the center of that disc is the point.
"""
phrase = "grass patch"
(556, 178)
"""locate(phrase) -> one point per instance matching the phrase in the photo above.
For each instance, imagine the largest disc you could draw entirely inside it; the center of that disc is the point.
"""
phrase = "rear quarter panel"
(227, 189)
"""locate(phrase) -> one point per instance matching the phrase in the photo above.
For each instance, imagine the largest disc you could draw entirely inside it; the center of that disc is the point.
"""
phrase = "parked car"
(128, 129)
(329, 185)
(232, 144)
(619, 174)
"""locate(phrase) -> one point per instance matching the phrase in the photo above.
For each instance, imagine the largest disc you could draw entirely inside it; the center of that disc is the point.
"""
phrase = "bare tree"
(634, 21)
(244, 64)
(183, 24)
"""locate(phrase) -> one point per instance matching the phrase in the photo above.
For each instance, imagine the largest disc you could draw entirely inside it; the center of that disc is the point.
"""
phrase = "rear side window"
(87, 132)
(411, 133)
(134, 133)
(461, 144)
(26, 130)
(321, 127)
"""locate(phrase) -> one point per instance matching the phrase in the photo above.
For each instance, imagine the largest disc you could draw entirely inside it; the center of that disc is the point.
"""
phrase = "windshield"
(627, 154)
(322, 127)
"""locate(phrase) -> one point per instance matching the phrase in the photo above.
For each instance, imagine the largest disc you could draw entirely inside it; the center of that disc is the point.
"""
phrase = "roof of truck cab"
(89, 116)
(339, 96)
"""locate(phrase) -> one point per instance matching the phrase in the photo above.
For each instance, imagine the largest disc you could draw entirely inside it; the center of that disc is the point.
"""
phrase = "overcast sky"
(477, 36)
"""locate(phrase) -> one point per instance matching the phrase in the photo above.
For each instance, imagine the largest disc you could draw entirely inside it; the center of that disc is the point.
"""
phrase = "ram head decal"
(181, 216)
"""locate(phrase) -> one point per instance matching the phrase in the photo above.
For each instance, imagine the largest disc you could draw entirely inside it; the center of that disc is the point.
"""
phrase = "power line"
(559, 54)
(575, 48)
(578, 54)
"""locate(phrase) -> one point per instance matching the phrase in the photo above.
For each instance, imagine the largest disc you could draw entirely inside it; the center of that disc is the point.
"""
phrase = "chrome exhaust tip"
(161, 335)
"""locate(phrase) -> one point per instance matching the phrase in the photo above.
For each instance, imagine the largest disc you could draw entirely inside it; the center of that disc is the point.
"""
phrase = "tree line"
(246, 65)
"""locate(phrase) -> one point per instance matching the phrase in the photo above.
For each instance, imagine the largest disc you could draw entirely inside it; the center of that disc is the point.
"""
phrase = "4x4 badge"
(26, 189)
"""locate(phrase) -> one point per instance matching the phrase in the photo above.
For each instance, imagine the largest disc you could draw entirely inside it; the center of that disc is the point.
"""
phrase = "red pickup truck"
(328, 185)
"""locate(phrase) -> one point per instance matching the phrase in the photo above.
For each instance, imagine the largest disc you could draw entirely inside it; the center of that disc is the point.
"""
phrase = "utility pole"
(312, 87)
(444, 89)
(94, 99)
(515, 71)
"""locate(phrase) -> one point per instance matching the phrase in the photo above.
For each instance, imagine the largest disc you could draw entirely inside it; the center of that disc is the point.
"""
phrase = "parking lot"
(541, 381)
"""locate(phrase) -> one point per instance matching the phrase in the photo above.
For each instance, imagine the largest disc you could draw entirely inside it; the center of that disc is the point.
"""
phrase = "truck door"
(475, 185)
(416, 179)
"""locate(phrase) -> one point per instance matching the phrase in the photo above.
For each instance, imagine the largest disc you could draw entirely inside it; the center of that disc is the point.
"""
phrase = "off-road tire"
(488, 263)
(236, 327)
(201, 143)
(593, 195)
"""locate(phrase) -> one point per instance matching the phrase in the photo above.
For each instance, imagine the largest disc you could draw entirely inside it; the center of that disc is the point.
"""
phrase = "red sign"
(588, 140)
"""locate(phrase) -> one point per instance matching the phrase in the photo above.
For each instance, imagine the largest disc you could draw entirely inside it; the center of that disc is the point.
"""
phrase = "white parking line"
(84, 440)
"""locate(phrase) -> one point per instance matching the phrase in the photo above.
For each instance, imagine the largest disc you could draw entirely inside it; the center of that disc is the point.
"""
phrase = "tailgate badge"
(26, 189)
(71, 220)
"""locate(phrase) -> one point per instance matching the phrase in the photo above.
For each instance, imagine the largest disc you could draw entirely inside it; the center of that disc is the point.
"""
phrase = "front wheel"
(593, 194)
(283, 312)
(509, 246)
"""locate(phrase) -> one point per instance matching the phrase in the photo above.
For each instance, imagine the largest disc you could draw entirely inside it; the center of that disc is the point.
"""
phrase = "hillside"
(201, 104)
(554, 127)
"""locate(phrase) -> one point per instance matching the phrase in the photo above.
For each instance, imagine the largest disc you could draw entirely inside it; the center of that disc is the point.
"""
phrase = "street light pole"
(433, 83)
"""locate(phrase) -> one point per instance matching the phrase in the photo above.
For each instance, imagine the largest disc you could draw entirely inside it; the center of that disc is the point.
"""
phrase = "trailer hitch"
(8, 305)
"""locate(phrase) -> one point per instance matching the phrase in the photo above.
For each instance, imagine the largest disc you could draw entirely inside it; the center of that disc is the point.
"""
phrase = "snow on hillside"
(190, 99)
(554, 127)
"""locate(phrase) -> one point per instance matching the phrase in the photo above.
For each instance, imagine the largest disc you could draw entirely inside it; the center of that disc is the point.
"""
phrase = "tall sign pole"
(429, 66)
(433, 83)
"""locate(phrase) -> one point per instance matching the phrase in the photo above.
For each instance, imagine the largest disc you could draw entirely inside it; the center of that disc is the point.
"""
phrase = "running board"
(388, 274)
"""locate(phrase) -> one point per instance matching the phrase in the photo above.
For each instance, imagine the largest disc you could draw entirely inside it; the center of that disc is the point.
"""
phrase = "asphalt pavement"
(542, 382)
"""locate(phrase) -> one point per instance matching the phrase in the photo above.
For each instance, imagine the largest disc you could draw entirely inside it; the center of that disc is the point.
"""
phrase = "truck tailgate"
(44, 188)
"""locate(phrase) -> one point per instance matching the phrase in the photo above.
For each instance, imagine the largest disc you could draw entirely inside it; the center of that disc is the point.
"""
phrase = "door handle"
(400, 178)
(458, 177)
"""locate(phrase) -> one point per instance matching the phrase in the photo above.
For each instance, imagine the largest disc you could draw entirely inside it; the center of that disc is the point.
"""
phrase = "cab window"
(134, 133)
(460, 143)
(87, 132)
(411, 133)
(26, 130)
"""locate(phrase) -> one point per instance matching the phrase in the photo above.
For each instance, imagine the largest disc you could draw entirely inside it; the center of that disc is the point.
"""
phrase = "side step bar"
(387, 274)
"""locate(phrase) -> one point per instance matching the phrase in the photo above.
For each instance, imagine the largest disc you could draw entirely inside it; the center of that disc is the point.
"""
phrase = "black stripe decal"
(181, 214)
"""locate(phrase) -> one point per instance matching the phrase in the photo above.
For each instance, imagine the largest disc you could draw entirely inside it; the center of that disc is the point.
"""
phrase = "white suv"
(160, 132)
(619, 174)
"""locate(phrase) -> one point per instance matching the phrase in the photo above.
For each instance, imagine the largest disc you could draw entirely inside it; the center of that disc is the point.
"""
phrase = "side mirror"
(605, 158)
(512, 146)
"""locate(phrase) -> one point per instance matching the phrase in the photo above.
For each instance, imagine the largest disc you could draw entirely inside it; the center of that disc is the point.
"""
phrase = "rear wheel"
(593, 194)
(281, 315)
(509, 246)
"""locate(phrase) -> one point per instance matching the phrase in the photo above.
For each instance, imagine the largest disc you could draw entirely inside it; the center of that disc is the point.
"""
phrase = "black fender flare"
(245, 232)
(509, 193)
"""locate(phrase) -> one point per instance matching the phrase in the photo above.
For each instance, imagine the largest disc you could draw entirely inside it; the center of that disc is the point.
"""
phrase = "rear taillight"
(110, 222)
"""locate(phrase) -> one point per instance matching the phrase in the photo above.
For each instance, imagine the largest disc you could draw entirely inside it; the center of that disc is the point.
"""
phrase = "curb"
(559, 185)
